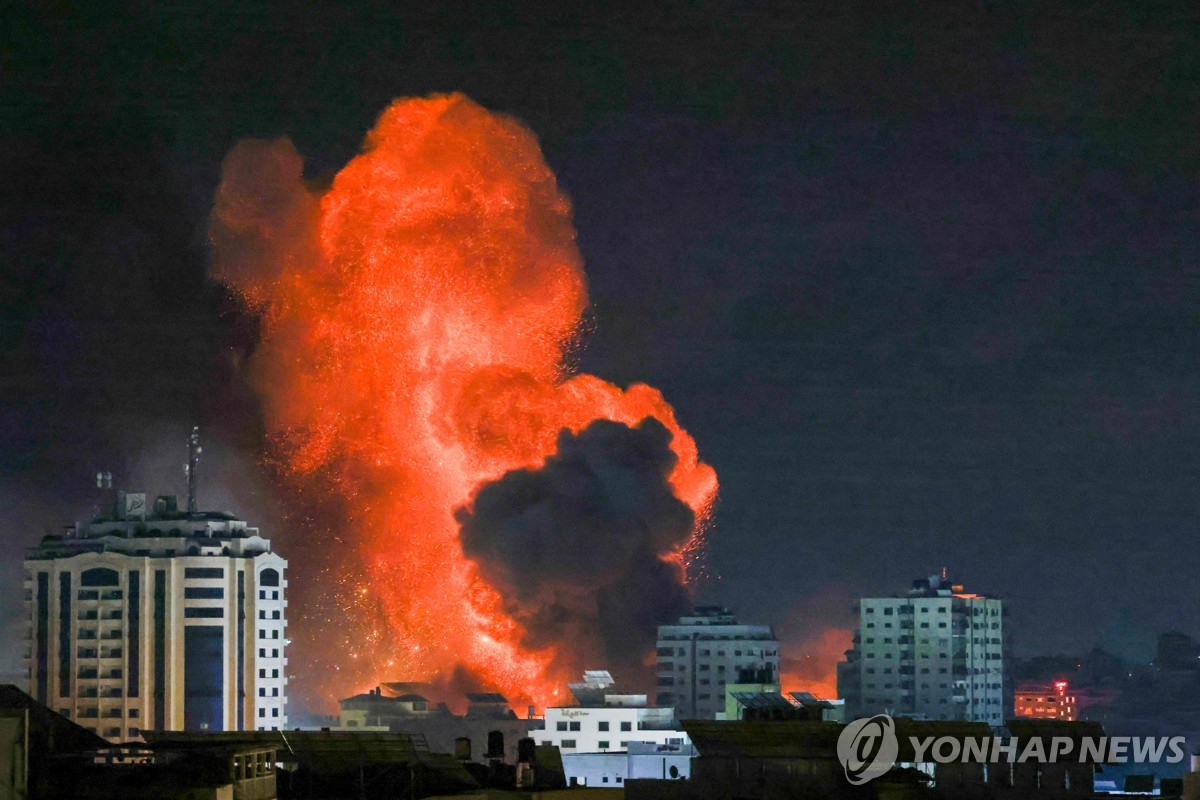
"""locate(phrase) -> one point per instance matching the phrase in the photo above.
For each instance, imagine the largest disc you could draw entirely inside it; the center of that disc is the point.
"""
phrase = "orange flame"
(417, 318)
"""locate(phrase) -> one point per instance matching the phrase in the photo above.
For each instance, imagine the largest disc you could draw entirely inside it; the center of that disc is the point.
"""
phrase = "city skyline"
(922, 289)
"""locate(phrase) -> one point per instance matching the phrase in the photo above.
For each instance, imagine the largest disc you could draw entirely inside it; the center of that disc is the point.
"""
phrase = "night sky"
(922, 282)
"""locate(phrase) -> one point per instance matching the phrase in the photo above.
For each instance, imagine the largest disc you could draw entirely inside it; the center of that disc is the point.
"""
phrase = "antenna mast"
(189, 469)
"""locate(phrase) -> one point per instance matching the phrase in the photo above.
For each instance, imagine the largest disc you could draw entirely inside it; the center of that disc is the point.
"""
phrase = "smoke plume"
(577, 547)
(416, 318)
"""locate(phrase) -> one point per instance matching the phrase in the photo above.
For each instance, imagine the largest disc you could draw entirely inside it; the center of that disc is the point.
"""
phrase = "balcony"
(112, 652)
(92, 614)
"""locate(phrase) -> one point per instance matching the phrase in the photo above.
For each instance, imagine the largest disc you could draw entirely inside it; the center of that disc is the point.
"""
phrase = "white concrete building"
(606, 721)
(703, 653)
(936, 653)
(661, 761)
(159, 619)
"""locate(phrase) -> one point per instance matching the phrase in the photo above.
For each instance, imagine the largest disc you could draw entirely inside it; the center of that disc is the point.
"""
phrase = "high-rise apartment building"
(936, 653)
(159, 619)
(703, 653)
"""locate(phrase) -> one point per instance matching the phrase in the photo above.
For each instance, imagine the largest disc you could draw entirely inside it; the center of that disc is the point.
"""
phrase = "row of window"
(889, 611)
(669, 681)
(571, 744)
(909, 640)
(91, 673)
(983, 656)
(600, 726)
(668, 666)
(96, 594)
(926, 685)
(907, 626)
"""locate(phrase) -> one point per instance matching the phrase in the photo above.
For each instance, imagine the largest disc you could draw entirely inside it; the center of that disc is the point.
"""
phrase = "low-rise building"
(1045, 701)
(605, 720)
(642, 760)
(697, 657)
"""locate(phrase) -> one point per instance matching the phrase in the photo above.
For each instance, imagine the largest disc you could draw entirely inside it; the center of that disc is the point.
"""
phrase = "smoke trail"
(416, 317)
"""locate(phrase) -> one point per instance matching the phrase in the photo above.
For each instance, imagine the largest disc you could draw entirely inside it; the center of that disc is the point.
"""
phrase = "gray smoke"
(575, 548)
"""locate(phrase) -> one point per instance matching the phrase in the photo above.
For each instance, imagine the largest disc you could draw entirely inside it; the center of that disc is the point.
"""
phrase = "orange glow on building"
(1045, 701)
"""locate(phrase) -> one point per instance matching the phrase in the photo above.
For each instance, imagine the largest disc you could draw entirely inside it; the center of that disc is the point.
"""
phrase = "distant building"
(396, 708)
(151, 617)
(702, 654)
(936, 653)
(606, 720)
(1045, 701)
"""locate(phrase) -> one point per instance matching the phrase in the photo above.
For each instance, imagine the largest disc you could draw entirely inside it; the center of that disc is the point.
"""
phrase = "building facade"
(936, 653)
(1045, 701)
(158, 619)
(606, 720)
(707, 651)
(671, 762)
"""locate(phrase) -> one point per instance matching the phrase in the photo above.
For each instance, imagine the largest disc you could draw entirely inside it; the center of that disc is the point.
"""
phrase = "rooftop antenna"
(189, 468)
(943, 573)
(104, 495)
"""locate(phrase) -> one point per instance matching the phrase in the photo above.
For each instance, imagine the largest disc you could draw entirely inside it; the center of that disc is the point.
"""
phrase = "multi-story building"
(1045, 701)
(703, 653)
(936, 653)
(605, 720)
(158, 619)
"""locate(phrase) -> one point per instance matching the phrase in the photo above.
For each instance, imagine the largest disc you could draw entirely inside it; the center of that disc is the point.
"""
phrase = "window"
(626, 726)
(203, 613)
(567, 744)
(204, 572)
(574, 726)
(562, 726)
(268, 577)
(274, 712)
(603, 745)
(204, 593)
(603, 726)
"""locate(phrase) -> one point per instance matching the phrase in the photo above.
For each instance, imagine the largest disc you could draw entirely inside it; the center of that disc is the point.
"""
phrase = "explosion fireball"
(417, 316)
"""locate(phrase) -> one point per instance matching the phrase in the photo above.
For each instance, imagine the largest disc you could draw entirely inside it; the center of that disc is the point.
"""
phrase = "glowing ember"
(417, 318)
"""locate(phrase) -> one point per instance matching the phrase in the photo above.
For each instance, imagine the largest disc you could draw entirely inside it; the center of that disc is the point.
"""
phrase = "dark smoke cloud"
(576, 547)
